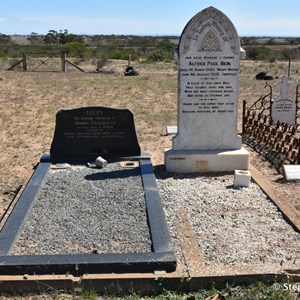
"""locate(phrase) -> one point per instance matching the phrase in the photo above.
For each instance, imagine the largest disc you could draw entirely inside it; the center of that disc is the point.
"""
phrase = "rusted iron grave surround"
(161, 258)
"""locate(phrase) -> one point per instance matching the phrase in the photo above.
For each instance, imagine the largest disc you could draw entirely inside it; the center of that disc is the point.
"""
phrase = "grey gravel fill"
(85, 210)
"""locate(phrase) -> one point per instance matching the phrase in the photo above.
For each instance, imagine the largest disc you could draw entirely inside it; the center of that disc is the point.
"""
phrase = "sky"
(278, 18)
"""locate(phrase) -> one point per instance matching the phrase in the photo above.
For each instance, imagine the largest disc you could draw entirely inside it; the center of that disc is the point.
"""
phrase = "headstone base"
(183, 161)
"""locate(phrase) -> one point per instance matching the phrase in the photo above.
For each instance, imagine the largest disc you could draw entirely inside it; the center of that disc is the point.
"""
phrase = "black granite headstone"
(95, 131)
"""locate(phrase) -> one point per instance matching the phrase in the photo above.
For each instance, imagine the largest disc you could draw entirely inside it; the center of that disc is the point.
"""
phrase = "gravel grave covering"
(87, 210)
(233, 226)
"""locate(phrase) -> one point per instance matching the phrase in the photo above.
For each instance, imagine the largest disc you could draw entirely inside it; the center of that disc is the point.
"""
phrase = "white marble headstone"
(284, 105)
(208, 82)
(209, 60)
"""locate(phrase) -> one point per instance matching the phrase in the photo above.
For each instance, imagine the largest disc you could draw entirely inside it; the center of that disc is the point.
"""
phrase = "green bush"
(123, 54)
(74, 49)
(260, 53)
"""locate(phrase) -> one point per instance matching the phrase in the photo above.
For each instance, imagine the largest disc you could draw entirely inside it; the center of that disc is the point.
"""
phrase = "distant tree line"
(272, 54)
(270, 48)
(5, 39)
(146, 48)
(252, 41)
(55, 38)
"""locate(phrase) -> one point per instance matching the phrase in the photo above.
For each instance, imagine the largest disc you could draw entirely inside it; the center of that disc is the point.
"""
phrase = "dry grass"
(30, 100)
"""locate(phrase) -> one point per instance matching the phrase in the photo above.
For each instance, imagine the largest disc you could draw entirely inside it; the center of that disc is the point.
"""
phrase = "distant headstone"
(209, 59)
(171, 129)
(291, 172)
(95, 131)
(284, 106)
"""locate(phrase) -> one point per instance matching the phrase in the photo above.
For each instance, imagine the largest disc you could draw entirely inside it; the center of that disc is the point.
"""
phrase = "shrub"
(123, 54)
(100, 63)
(74, 49)
(260, 53)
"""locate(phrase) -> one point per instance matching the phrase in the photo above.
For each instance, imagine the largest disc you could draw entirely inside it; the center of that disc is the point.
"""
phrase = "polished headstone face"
(95, 131)
(284, 105)
(209, 59)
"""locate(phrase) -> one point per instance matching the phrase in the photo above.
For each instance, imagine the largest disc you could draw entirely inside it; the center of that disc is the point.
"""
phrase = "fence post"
(64, 62)
(298, 158)
(24, 62)
(244, 116)
(129, 60)
(289, 68)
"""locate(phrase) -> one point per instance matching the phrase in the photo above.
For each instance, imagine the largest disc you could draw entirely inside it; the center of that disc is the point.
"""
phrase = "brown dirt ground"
(29, 101)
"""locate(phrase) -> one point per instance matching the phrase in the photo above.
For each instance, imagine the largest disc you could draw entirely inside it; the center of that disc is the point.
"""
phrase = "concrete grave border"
(161, 258)
(192, 279)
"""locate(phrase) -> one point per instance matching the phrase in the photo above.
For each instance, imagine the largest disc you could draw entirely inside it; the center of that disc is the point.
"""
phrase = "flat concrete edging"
(161, 258)
(179, 280)
(290, 213)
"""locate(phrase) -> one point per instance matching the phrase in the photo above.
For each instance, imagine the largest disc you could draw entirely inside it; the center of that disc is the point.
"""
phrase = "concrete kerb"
(160, 259)
(180, 279)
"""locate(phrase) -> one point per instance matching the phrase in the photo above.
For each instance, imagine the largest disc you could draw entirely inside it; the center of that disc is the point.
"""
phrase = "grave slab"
(161, 257)
(208, 80)
(202, 275)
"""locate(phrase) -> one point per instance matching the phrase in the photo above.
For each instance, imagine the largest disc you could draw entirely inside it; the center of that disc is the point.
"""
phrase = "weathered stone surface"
(242, 178)
(291, 172)
(209, 59)
(208, 83)
(182, 161)
(284, 105)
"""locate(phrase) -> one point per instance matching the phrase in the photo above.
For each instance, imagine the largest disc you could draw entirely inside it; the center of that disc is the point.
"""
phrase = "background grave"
(284, 106)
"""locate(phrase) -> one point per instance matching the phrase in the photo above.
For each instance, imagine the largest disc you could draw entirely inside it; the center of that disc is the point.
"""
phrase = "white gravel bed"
(233, 226)
(86, 210)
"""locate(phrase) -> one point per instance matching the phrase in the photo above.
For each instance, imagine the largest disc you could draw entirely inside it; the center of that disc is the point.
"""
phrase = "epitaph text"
(209, 59)
(94, 131)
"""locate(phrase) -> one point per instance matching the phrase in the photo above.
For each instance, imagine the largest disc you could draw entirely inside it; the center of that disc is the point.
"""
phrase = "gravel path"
(232, 225)
(84, 210)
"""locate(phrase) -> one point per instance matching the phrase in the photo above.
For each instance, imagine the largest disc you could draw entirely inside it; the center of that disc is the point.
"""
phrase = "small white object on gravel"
(100, 162)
